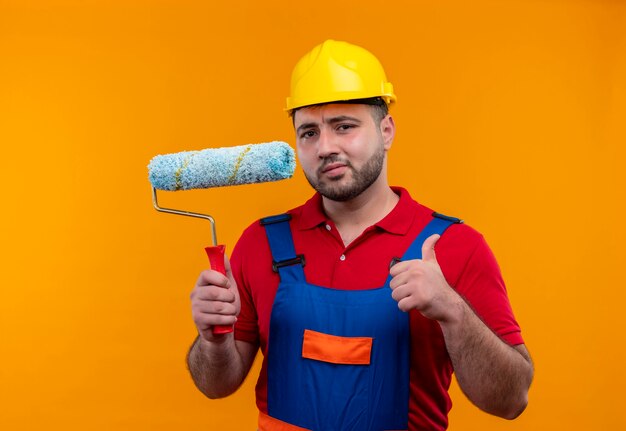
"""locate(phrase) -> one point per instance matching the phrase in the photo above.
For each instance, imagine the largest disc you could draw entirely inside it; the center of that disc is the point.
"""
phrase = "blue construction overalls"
(338, 360)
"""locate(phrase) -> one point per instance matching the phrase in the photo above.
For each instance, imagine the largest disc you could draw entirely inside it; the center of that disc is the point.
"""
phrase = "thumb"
(227, 269)
(428, 248)
(228, 272)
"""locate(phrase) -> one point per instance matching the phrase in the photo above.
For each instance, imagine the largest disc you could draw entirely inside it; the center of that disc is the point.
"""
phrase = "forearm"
(216, 368)
(494, 376)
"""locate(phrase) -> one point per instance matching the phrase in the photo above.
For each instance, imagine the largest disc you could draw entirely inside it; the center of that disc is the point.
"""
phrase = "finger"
(407, 267)
(399, 268)
(229, 271)
(398, 293)
(399, 280)
(428, 248)
(205, 323)
(210, 277)
(212, 293)
(407, 304)
(404, 298)
(211, 308)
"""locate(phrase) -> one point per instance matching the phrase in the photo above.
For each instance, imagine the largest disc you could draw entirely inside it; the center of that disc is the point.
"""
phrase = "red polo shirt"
(465, 259)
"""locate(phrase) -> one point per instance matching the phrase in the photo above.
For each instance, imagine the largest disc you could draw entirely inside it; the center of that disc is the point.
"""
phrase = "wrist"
(214, 347)
(215, 341)
(456, 311)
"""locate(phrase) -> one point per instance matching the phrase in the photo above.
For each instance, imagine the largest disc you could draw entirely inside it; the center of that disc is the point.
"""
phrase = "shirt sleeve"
(246, 327)
(481, 284)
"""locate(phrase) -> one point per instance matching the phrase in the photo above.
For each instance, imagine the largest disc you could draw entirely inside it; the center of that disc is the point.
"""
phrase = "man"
(362, 301)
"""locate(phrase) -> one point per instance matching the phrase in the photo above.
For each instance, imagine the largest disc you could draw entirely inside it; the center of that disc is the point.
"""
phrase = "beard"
(361, 178)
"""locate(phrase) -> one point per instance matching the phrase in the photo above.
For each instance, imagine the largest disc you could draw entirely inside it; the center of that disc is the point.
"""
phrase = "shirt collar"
(398, 221)
(312, 214)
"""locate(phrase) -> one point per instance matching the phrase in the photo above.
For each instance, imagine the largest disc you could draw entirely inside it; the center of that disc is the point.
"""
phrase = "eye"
(307, 134)
(345, 127)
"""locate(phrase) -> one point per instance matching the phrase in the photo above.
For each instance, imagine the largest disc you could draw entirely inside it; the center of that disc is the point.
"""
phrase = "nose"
(326, 144)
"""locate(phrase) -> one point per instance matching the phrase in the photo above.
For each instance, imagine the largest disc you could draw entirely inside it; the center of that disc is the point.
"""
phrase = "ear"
(388, 130)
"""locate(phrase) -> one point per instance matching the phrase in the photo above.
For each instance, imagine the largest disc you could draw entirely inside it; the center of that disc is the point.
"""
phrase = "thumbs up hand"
(419, 284)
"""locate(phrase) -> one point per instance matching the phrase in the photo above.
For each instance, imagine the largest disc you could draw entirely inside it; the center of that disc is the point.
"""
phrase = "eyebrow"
(332, 120)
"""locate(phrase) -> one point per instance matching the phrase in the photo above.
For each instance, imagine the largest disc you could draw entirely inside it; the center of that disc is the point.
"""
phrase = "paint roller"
(217, 167)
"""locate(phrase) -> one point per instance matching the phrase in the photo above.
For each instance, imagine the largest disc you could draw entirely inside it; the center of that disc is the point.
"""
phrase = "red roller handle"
(216, 260)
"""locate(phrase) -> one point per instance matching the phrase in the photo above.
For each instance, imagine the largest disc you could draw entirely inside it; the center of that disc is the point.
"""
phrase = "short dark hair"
(379, 107)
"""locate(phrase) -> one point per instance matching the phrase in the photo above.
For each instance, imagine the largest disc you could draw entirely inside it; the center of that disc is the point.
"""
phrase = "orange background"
(510, 115)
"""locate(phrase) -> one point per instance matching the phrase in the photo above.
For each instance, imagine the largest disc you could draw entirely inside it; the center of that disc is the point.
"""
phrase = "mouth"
(334, 169)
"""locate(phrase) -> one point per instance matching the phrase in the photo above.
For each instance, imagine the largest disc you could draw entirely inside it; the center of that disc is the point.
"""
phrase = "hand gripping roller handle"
(215, 253)
(216, 167)
(216, 260)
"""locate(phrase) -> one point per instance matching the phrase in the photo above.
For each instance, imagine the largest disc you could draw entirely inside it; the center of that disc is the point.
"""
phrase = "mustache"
(330, 160)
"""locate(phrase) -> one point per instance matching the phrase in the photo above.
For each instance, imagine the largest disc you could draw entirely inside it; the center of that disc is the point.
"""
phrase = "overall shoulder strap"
(285, 261)
(437, 225)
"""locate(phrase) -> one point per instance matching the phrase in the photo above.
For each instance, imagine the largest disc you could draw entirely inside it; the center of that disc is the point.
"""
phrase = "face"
(341, 149)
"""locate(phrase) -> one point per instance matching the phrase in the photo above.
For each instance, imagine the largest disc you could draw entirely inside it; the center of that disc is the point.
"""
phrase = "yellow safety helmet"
(337, 71)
